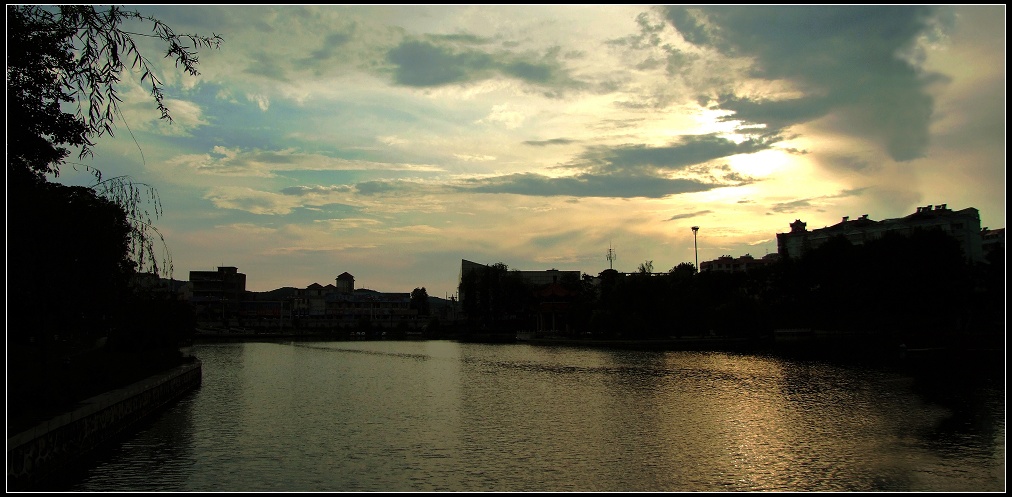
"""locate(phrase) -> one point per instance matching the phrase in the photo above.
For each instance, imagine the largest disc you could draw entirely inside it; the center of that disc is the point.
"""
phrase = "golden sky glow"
(391, 142)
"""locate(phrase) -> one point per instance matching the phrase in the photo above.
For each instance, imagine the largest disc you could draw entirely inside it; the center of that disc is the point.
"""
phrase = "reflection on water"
(447, 416)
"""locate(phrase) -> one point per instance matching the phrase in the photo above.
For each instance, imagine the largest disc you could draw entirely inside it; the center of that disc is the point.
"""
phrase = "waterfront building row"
(224, 302)
(963, 225)
(221, 296)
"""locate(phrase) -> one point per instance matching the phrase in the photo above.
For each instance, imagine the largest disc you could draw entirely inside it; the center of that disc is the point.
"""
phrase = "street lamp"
(694, 249)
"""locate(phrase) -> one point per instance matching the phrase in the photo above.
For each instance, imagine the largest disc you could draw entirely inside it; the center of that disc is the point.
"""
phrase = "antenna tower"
(611, 256)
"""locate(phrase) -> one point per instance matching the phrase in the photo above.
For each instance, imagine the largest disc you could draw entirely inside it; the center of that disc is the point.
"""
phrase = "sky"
(393, 141)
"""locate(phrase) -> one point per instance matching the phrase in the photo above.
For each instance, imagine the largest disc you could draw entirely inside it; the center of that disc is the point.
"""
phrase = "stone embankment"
(36, 455)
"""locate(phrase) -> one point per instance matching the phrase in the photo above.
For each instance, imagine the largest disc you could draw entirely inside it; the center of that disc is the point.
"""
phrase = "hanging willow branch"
(142, 206)
(101, 45)
(76, 54)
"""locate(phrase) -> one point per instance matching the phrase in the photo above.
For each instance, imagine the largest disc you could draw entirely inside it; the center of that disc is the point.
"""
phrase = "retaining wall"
(35, 455)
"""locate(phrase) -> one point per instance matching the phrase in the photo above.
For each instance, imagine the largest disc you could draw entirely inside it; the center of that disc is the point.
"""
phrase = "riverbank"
(44, 381)
(37, 454)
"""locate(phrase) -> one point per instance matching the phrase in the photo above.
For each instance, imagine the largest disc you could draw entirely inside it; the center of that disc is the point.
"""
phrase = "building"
(536, 278)
(227, 283)
(992, 240)
(553, 301)
(217, 295)
(555, 308)
(345, 283)
(963, 225)
(341, 306)
(726, 263)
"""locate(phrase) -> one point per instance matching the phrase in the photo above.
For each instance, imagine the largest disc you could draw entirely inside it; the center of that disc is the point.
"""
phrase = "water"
(448, 416)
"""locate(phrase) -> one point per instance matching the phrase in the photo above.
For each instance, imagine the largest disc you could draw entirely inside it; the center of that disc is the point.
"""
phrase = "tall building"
(217, 295)
(963, 225)
(992, 239)
(345, 283)
(225, 284)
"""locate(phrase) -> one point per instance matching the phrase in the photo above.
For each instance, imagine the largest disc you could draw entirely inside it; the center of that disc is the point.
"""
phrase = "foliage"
(495, 297)
(69, 267)
(135, 199)
(72, 250)
(38, 55)
(76, 54)
(420, 301)
(683, 268)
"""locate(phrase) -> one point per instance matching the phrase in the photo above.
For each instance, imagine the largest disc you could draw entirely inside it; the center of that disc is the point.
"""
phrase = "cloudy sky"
(391, 142)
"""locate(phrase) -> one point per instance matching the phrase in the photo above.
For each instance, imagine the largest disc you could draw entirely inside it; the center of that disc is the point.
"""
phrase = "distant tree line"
(904, 288)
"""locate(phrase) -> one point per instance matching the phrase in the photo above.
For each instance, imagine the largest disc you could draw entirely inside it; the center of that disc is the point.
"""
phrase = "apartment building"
(963, 225)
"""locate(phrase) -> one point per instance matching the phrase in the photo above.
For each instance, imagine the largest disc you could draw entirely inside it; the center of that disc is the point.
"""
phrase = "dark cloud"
(847, 59)
(535, 73)
(793, 206)
(554, 240)
(614, 124)
(427, 64)
(809, 203)
(687, 24)
(462, 38)
(315, 190)
(424, 64)
(632, 171)
(267, 66)
(853, 192)
(374, 187)
(273, 157)
(848, 163)
(588, 185)
(775, 114)
(331, 46)
(649, 35)
(688, 215)
(553, 141)
(692, 150)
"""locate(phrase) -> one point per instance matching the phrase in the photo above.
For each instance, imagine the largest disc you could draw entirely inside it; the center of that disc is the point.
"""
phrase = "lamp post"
(694, 249)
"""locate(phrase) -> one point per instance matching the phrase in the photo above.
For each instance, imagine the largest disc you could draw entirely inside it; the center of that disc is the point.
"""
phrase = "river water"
(449, 416)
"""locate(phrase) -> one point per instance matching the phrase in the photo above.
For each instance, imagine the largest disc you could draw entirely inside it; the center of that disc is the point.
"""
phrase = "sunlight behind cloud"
(537, 134)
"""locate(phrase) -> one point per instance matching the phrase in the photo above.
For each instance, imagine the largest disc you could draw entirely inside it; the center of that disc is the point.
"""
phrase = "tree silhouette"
(683, 268)
(420, 301)
(75, 54)
(72, 250)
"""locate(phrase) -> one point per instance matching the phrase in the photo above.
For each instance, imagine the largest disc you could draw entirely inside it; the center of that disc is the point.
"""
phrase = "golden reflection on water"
(446, 416)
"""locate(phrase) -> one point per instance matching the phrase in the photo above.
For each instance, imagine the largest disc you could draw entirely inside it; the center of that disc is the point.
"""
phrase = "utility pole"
(694, 248)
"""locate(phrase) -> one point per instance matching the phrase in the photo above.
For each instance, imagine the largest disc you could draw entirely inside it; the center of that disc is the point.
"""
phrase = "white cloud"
(334, 128)
(250, 200)
(262, 101)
